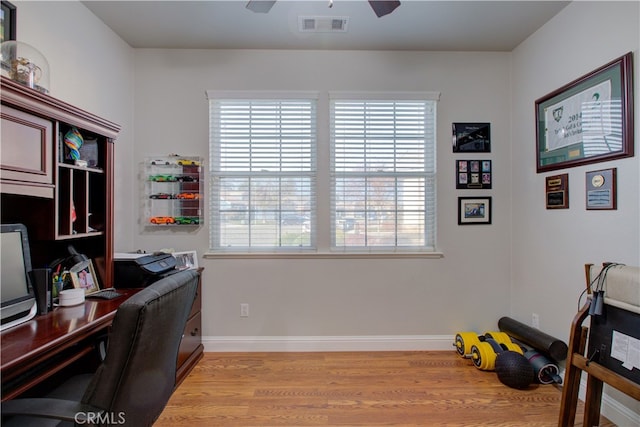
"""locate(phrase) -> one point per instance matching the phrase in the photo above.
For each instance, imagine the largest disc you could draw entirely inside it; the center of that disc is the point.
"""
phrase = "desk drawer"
(191, 339)
(197, 303)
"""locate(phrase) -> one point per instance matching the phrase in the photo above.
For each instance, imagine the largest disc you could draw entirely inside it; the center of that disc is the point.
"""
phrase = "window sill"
(321, 255)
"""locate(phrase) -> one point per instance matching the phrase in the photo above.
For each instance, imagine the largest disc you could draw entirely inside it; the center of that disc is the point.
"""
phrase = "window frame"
(323, 248)
(214, 176)
(382, 97)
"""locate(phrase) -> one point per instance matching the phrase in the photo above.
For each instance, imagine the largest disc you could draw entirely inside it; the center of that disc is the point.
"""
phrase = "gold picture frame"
(83, 276)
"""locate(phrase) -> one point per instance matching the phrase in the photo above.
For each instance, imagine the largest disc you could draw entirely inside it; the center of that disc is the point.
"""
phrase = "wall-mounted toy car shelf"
(172, 194)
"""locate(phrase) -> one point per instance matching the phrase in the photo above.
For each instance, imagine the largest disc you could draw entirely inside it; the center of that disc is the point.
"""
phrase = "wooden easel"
(597, 374)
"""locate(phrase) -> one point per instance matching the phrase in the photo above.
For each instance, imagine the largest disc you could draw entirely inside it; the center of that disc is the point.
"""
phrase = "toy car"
(188, 196)
(186, 178)
(162, 162)
(161, 196)
(187, 220)
(162, 178)
(188, 162)
(162, 220)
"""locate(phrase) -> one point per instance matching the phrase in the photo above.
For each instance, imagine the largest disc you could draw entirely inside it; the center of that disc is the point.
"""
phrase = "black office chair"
(138, 375)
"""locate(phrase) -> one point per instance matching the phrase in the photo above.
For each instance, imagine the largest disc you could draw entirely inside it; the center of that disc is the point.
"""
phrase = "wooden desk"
(36, 350)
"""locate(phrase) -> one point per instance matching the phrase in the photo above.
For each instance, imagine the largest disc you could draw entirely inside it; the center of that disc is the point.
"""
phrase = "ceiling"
(414, 25)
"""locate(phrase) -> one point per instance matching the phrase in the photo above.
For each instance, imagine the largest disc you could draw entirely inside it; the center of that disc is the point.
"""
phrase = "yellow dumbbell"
(464, 341)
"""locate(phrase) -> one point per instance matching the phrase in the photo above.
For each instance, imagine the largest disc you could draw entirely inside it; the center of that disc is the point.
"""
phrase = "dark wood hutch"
(63, 204)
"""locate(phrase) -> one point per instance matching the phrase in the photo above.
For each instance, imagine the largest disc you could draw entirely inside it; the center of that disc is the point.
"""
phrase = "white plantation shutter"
(383, 171)
(263, 171)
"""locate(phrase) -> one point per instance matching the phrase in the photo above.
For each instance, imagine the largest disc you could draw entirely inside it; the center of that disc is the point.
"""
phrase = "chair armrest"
(65, 410)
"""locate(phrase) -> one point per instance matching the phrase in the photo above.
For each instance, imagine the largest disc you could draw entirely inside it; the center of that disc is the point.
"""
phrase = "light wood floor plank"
(354, 389)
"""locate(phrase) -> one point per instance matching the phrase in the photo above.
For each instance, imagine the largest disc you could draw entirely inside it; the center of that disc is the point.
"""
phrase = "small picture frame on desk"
(83, 276)
(187, 260)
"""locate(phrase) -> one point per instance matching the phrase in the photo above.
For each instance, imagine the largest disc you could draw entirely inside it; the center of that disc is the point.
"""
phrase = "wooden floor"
(353, 389)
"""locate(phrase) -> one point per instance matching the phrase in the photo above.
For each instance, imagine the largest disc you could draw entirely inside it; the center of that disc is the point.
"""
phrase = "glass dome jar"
(25, 64)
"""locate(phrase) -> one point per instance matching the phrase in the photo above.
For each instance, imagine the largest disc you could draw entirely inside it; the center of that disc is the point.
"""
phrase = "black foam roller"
(537, 339)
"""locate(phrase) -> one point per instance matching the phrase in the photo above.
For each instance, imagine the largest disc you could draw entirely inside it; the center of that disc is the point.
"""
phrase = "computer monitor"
(17, 300)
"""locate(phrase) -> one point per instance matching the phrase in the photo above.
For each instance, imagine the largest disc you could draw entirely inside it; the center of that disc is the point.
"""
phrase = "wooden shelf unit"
(60, 203)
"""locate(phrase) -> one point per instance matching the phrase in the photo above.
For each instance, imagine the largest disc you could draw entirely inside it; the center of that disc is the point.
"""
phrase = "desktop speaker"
(41, 282)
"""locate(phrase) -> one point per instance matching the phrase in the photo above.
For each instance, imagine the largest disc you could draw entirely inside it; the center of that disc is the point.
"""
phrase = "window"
(263, 171)
(375, 184)
(383, 172)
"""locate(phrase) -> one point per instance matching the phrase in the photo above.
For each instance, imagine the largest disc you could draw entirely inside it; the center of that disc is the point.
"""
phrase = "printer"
(139, 270)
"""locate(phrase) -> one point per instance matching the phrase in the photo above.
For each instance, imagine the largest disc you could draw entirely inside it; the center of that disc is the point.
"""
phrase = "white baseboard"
(328, 343)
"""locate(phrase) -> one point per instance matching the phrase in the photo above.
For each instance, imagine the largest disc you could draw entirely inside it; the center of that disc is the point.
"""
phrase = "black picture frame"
(471, 137)
(8, 16)
(588, 120)
(474, 210)
(474, 174)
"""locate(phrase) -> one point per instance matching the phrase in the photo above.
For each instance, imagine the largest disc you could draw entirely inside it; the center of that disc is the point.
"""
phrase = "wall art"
(474, 210)
(557, 191)
(473, 174)
(471, 137)
(588, 120)
(601, 190)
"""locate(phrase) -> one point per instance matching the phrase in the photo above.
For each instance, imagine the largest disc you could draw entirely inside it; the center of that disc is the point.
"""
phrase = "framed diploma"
(588, 120)
(601, 190)
(557, 191)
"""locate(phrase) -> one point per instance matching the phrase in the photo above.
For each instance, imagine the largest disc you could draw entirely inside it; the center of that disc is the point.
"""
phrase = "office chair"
(138, 375)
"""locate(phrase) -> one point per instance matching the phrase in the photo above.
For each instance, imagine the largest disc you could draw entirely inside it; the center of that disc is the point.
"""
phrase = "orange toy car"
(188, 196)
(162, 220)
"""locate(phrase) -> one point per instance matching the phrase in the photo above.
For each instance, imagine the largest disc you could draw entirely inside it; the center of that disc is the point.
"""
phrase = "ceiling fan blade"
(260, 6)
(382, 8)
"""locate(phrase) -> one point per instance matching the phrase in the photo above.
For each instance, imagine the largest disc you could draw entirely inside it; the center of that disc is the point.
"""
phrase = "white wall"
(467, 289)
(91, 68)
(550, 247)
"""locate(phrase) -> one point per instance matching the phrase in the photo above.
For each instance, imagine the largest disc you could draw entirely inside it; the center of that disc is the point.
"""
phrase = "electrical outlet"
(244, 310)
(535, 320)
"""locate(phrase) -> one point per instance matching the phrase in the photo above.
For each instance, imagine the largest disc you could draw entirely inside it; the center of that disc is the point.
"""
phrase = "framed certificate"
(588, 120)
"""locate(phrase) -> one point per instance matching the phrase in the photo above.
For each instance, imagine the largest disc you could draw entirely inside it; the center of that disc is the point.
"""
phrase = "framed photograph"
(601, 190)
(8, 21)
(471, 137)
(474, 210)
(557, 191)
(473, 174)
(186, 260)
(83, 276)
(588, 120)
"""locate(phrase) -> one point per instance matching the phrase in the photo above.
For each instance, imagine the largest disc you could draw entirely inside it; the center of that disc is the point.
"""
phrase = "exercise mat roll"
(537, 339)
